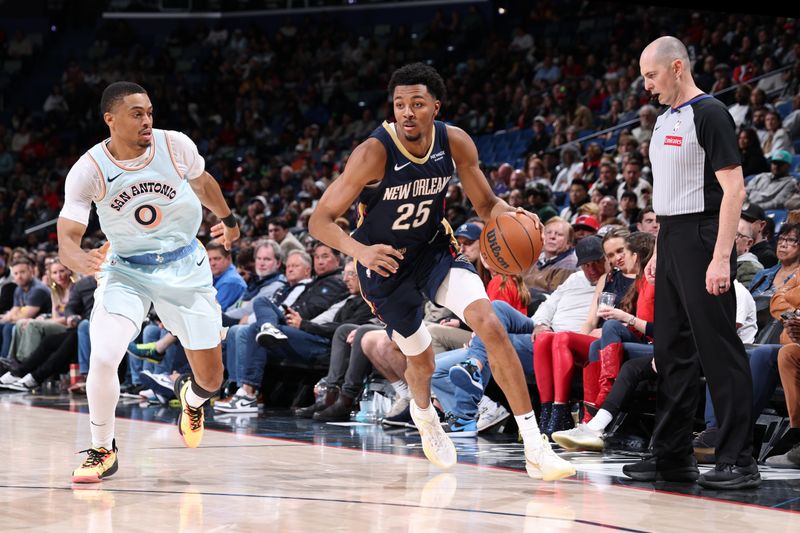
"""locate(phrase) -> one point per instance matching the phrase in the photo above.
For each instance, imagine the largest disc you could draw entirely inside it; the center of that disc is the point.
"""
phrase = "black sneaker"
(731, 477)
(705, 445)
(682, 470)
(790, 459)
(402, 419)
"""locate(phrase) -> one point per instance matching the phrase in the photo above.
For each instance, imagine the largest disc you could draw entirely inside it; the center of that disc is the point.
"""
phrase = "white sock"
(400, 388)
(529, 429)
(194, 399)
(428, 412)
(600, 420)
(109, 336)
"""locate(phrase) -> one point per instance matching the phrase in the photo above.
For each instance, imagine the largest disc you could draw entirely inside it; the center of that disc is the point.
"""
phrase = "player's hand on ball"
(381, 258)
(94, 259)
(229, 235)
(532, 216)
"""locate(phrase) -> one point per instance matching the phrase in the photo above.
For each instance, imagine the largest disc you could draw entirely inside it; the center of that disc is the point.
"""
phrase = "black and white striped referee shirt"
(689, 144)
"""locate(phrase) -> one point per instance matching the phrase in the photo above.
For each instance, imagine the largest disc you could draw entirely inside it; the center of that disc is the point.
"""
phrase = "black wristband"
(230, 220)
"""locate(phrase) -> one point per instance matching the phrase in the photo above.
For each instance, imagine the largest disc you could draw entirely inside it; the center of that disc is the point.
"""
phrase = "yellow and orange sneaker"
(190, 421)
(99, 464)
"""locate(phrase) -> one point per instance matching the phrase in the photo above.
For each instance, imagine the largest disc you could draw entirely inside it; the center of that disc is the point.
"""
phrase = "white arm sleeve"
(83, 184)
(188, 160)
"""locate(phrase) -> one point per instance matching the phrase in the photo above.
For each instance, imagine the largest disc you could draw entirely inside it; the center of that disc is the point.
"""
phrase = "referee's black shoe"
(731, 477)
(681, 470)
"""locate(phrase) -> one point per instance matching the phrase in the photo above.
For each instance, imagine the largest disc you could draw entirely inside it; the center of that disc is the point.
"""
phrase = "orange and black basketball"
(511, 243)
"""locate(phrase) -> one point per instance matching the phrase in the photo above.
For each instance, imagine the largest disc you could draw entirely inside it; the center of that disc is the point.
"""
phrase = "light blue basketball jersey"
(149, 209)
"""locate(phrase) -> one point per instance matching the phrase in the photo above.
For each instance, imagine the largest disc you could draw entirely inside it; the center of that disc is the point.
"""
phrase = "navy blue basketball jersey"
(406, 209)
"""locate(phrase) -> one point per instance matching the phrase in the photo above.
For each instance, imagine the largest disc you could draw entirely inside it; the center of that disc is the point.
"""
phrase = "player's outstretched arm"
(72, 256)
(475, 184)
(366, 165)
(207, 190)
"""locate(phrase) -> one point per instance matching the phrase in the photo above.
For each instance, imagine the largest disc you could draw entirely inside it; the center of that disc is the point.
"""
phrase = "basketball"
(511, 243)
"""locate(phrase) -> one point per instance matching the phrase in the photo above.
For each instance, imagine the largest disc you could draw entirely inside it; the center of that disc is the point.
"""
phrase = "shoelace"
(195, 417)
(95, 457)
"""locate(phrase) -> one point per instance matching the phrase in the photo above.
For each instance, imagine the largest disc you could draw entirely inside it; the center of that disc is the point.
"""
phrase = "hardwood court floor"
(316, 477)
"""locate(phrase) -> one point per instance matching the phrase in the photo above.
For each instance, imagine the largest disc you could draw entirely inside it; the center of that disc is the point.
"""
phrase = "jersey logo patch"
(115, 177)
(400, 167)
(673, 140)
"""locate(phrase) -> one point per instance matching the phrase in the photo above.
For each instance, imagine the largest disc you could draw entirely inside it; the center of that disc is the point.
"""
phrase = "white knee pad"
(414, 344)
(460, 288)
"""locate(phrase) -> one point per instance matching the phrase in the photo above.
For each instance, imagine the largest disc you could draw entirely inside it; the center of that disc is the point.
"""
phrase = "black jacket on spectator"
(320, 294)
(81, 298)
(354, 311)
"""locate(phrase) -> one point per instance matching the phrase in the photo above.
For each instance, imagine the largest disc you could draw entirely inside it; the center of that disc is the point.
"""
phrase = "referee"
(698, 190)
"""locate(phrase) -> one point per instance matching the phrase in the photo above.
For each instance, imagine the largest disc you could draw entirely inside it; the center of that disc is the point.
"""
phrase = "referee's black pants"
(690, 322)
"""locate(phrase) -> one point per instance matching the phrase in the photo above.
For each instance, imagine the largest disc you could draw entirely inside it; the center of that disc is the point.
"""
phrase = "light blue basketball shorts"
(181, 291)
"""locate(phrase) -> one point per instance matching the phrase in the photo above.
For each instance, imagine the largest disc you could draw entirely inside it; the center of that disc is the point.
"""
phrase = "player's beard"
(413, 138)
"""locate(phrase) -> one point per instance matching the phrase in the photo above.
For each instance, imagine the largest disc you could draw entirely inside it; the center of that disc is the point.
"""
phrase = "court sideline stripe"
(333, 500)
(422, 457)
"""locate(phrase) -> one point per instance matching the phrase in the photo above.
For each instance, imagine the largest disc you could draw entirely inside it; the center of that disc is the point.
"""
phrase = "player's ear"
(436, 106)
(108, 118)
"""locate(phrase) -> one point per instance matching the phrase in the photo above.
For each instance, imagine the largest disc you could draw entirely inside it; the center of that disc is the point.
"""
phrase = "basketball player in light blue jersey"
(405, 252)
(149, 187)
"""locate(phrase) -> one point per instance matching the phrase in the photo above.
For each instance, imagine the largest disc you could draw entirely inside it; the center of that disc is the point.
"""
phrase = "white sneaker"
(8, 379)
(400, 404)
(238, 403)
(490, 413)
(541, 462)
(438, 447)
(579, 437)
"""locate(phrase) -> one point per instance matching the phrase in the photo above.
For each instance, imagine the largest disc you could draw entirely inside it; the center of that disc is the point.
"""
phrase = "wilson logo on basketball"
(673, 140)
(491, 237)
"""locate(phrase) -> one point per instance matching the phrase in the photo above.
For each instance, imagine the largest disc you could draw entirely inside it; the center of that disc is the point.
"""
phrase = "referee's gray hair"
(269, 243)
(303, 256)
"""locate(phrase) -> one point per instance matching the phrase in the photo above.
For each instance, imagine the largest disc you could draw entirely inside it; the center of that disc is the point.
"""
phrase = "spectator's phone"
(788, 315)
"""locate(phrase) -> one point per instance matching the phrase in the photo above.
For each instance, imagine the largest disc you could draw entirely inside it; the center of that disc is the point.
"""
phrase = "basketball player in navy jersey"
(406, 252)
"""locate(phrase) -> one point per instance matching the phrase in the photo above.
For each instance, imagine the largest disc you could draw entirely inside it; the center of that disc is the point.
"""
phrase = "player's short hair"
(114, 93)
(419, 74)
(218, 246)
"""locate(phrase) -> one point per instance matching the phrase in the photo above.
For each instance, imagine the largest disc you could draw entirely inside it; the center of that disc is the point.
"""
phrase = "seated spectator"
(557, 260)
(555, 337)
(241, 338)
(648, 222)
(753, 160)
(633, 182)
(740, 110)
(766, 282)
(30, 332)
(538, 202)
(606, 184)
(747, 265)
(625, 330)
(584, 226)
(761, 245)
(578, 195)
(229, 284)
(789, 368)
(776, 138)
(607, 213)
(647, 121)
(770, 190)
(56, 351)
(278, 231)
(570, 169)
(628, 209)
(278, 322)
(31, 298)
(267, 281)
